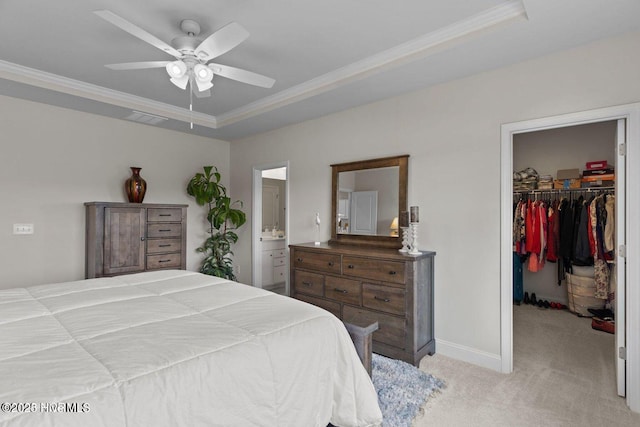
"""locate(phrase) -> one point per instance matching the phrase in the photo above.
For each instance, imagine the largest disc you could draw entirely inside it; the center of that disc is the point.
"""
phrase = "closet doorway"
(562, 265)
(270, 226)
(624, 121)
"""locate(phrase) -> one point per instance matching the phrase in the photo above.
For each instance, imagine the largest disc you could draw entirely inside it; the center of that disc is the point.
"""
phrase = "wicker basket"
(581, 291)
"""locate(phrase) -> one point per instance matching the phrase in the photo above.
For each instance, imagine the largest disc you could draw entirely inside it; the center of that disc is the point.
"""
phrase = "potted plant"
(223, 218)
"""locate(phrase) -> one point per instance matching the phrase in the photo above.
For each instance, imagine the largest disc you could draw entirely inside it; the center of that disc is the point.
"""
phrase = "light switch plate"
(22, 228)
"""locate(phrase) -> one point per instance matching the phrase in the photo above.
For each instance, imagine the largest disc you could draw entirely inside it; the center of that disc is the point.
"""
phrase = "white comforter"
(175, 348)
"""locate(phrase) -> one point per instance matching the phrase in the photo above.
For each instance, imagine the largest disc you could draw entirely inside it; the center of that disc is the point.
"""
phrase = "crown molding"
(43, 79)
(412, 50)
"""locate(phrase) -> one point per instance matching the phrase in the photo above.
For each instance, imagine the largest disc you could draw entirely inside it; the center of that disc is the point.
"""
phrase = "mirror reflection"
(273, 203)
(368, 202)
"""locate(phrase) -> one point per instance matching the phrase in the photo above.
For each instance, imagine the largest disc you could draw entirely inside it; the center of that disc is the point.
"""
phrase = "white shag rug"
(402, 390)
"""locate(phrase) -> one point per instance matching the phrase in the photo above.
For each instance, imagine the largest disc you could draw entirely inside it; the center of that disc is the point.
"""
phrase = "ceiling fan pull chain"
(191, 108)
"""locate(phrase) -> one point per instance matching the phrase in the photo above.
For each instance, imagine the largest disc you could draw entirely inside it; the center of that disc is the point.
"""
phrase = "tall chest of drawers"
(123, 238)
(371, 284)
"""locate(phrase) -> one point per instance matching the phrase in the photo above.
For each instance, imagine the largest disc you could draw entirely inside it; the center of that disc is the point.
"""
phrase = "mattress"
(175, 348)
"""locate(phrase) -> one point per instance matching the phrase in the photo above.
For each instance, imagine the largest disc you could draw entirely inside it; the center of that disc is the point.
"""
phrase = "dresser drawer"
(391, 330)
(384, 298)
(343, 290)
(316, 261)
(278, 262)
(164, 215)
(163, 245)
(330, 306)
(164, 230)
(375, 269)
(279, 253)
(163, 261)
(309, 283)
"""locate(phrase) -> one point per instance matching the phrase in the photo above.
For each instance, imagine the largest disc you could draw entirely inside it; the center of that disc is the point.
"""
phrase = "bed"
(175, 348)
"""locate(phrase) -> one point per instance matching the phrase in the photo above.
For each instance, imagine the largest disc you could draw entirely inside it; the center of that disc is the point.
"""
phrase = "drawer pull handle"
(163, 246)
(393, 273)
(142, 238)
(381, 299)
(165, 260)
(309, 284)
(330, 263)
(164, 215)
(164, 231)
(351, 266)
(299, 259)
(343, 291)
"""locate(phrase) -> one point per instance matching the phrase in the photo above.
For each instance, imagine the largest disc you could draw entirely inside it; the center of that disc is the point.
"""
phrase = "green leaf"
(222, 215)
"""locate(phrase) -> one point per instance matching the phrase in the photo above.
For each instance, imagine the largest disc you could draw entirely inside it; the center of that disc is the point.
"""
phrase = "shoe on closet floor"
(534, 301)
(526, 298)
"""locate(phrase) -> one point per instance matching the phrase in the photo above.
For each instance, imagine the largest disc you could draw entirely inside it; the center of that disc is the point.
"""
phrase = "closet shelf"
(565, 190)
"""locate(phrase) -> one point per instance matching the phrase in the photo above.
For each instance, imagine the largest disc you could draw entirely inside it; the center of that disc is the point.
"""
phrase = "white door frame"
(630, 112)
(620, 267)
(256, 221)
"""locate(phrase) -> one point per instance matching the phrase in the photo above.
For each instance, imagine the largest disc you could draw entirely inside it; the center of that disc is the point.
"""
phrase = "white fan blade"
(136, 31)
(241, 75)
(138, 65)
(222, 41)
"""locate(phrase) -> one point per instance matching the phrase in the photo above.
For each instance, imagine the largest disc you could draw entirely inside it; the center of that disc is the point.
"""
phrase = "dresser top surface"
(389, 253)
(136, 205)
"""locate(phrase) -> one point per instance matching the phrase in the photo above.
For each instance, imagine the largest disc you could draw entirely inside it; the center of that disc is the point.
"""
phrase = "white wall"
(452, 133)
(547, 151)
(52, 160)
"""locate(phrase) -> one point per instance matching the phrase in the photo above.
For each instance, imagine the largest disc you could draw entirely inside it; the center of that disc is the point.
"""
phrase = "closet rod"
(565, 190)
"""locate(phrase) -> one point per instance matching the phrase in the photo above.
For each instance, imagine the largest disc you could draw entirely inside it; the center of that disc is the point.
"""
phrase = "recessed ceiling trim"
(34, 77)
(410, 51)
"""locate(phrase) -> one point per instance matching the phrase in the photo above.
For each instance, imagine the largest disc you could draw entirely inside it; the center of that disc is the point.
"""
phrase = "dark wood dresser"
(374, 284)
(124, 238)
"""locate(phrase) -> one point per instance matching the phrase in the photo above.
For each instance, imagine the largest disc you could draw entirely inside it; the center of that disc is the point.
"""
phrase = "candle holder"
(414, 239)
(405, 240)
(317, 221)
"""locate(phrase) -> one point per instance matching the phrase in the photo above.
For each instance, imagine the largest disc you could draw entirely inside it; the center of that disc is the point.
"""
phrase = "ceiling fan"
(192, 66)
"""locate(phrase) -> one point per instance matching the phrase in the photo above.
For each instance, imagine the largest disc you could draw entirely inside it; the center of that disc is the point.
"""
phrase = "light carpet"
(402, 390)
(564, 375)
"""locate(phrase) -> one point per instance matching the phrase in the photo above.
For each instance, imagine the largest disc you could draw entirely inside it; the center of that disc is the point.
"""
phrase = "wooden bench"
(361, 332)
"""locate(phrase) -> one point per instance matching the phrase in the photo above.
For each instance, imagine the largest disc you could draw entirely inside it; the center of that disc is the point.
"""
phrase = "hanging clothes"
(582, 255)
(553, 232)
(609, 228)
(568, 232)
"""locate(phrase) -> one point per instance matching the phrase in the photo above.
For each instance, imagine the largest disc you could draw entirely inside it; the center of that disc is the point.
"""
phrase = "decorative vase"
(135, 186)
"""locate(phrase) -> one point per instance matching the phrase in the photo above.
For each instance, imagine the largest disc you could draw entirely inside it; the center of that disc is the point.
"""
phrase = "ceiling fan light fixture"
(203, 76)
(202, 86)
(176, 69)
(203, 73)
(181, 82)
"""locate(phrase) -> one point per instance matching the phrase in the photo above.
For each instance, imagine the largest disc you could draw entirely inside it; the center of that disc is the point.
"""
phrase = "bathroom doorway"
(270, 224)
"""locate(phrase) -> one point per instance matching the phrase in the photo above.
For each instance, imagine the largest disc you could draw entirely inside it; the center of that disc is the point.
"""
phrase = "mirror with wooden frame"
(366, 200)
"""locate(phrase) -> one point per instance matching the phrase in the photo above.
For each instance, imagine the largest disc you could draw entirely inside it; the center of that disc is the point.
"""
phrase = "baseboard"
(470, 355)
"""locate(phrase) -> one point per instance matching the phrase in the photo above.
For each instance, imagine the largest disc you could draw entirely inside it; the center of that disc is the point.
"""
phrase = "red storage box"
(597, 164)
